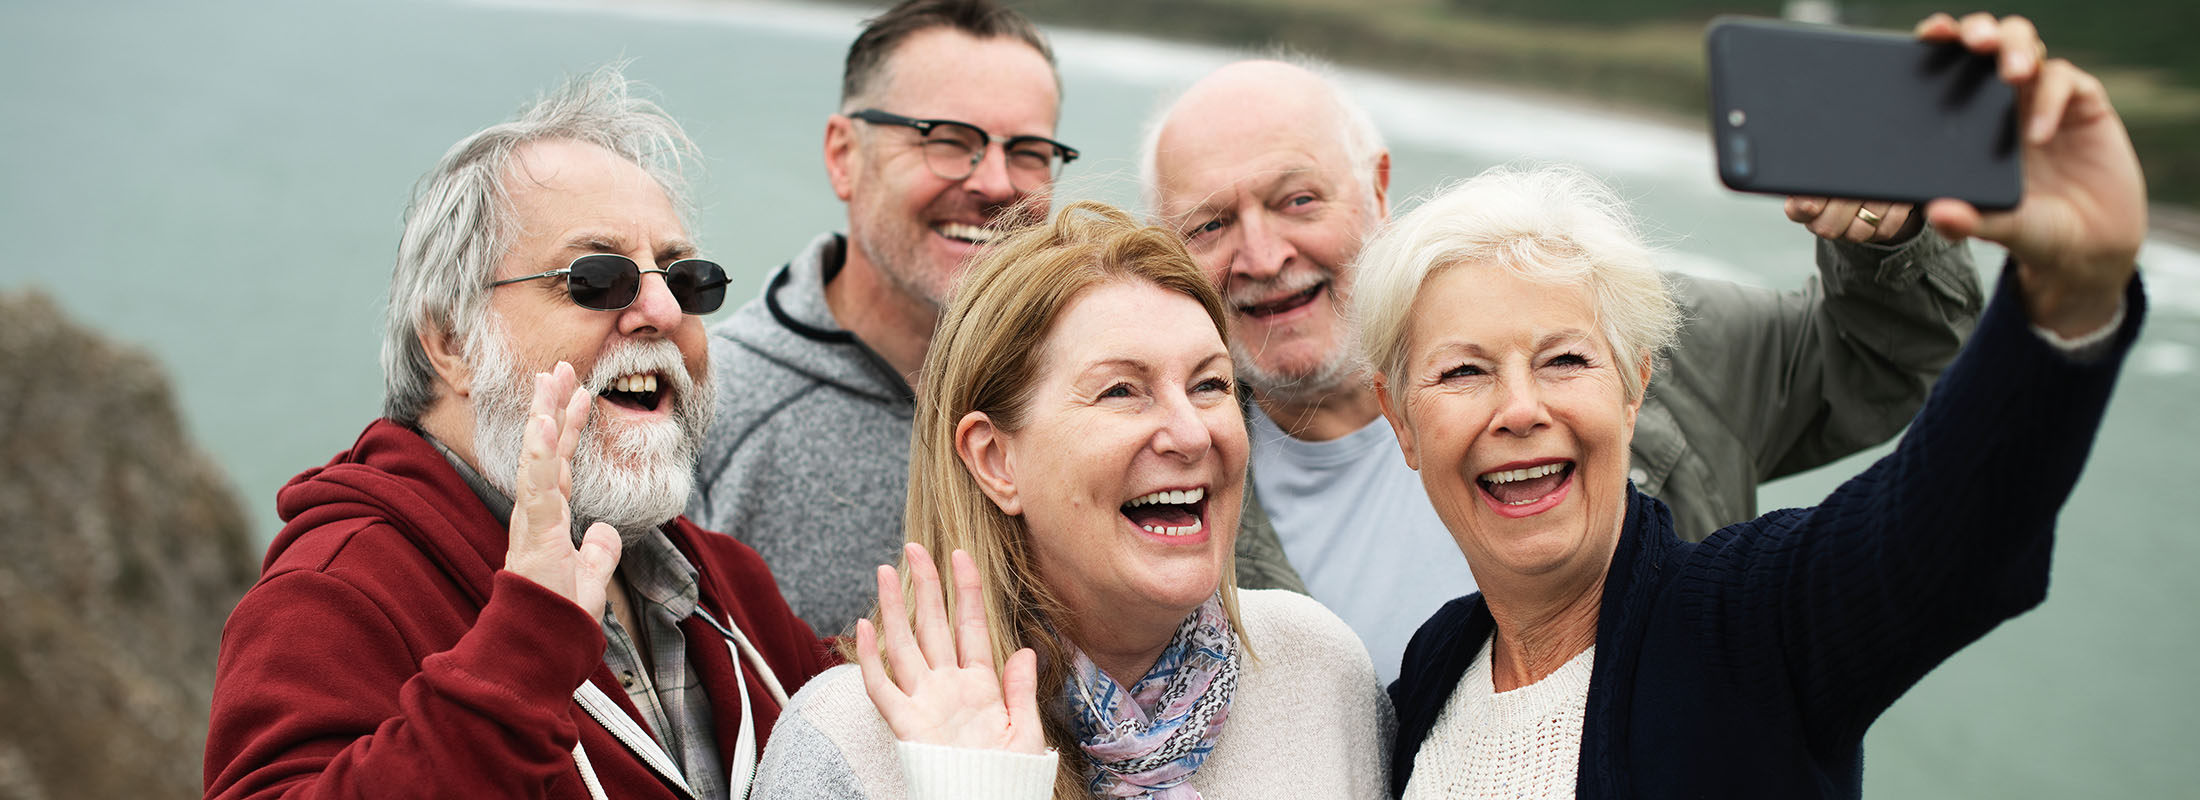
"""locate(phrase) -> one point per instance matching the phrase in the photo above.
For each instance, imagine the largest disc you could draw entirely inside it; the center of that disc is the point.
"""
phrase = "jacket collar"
(791, 325)
(1457, 632)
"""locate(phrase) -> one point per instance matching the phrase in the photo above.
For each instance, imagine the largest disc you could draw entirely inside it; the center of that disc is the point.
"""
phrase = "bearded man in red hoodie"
(492, 593)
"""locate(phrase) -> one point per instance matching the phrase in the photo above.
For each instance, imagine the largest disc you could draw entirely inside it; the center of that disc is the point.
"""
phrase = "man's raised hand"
(541, 547)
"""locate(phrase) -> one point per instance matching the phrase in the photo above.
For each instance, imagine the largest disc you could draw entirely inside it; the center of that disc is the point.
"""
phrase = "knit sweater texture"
(1307, 720)
(1752, 663)
(1524, 743)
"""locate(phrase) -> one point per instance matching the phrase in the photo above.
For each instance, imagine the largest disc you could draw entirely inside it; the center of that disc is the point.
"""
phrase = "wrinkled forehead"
(1207, 156)
(1130, 321)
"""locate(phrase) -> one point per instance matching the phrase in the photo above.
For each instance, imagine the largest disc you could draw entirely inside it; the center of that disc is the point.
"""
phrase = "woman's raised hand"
(2076, 233)
(944, 689)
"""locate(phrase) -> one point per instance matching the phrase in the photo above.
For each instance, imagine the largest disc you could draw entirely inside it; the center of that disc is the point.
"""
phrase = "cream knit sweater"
(1308, 720)
(1525, 743)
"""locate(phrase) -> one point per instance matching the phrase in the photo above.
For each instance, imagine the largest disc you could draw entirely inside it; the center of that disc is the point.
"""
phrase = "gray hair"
(1363, 142)
(1554, 225)
(459, 224)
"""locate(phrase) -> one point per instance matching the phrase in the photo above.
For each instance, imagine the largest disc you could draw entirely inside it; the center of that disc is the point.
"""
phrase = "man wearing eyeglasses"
(511, 531)
(945, 136)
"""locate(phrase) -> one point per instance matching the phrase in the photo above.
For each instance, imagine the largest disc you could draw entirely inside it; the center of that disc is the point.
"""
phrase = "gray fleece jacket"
(807, 459)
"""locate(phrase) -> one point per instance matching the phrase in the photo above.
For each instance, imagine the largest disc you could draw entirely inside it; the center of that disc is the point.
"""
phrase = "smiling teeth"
(1508, 476)
(1174, 498)
(1178, 530)
(638, 384)
(968, 233)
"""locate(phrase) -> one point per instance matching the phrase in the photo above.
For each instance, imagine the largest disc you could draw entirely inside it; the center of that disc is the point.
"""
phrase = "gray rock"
(122, 550)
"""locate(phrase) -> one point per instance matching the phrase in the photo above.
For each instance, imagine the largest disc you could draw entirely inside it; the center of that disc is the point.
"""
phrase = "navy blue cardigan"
(1750, 665)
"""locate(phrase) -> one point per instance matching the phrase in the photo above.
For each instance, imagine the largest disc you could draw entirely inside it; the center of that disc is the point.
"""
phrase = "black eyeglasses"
(954, 149)
(609, 282)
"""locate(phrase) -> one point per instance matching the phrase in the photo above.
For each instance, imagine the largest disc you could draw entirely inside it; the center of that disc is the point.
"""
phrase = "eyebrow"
(1282, 176)
(1546, 342)
(597, 242)
(1141, 367)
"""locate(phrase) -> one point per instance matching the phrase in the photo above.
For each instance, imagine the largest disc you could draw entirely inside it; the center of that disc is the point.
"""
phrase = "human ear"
(1382, 186)
(1634, 406)
(841, 153)
(447, 357)
(984, 451)
(1393, 410)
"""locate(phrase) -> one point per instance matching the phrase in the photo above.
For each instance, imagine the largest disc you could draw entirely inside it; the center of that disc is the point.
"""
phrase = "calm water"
(221, 183)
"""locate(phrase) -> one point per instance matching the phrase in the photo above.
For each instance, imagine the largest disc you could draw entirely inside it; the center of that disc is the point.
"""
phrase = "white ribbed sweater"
(1525, 743)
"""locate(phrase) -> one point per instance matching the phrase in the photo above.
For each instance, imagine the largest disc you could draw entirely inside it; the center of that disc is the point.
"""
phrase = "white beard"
(1339, 369)
(1338, 373)
(634, 478)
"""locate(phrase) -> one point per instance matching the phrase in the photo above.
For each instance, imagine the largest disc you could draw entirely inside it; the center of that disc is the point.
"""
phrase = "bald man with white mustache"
(1275, 178)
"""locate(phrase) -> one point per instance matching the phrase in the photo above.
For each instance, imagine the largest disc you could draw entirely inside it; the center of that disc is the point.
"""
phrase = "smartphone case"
(1828, 111)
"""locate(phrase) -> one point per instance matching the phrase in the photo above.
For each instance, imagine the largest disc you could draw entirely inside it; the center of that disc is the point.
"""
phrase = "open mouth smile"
(1520, 491)
(1169, 513)
(1287, 303)
(964, 232)
(636, 392)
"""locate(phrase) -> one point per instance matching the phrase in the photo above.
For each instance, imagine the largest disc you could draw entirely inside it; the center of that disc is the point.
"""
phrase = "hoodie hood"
(790, 325)
(391, 475)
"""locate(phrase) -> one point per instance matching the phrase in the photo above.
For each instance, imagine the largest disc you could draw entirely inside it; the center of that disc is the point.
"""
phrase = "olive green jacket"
(1766, 383)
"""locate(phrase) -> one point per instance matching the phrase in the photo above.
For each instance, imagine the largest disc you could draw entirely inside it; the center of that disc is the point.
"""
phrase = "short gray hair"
(1554, 225)
(1363, 142)
(459, 225)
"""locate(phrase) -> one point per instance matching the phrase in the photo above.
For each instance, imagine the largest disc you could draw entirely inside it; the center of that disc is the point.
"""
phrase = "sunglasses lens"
(699, 285)
(604, 282)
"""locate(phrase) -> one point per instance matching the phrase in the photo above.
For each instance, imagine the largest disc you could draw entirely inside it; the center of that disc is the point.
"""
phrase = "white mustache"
(1243, 292)
(639, 356)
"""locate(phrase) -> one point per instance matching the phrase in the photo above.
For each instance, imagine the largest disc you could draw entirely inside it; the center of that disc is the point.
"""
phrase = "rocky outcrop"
(122, 550)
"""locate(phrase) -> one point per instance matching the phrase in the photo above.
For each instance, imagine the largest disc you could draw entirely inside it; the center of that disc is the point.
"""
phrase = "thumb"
(595, 561)
(1019, 690)
(1957, 220)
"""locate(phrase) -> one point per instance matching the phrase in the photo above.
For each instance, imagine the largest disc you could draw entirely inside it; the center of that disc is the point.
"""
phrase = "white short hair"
(1362, 141)
(1553, 225)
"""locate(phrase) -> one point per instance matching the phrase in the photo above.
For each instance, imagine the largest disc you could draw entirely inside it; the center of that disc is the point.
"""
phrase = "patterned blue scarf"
(1148, 740)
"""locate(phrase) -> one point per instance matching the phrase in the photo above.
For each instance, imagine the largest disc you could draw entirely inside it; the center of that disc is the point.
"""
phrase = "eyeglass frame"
(640, 270)
(924, 127)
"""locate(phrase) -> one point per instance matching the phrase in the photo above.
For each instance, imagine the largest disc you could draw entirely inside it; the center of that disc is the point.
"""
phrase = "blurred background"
(209, 197)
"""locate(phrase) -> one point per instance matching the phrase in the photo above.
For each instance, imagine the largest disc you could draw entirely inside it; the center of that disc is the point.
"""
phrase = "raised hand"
(944, 690)
(541, 548)
(2076, 233)
(1853, 220)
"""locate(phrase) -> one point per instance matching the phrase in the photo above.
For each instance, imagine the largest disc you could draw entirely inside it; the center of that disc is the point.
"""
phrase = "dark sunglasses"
(609, 282)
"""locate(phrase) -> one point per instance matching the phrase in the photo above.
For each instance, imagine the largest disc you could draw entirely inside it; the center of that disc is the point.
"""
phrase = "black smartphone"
(1840, 112)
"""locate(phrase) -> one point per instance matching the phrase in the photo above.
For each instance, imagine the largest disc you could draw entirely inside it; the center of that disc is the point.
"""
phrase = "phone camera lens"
(1737, 155)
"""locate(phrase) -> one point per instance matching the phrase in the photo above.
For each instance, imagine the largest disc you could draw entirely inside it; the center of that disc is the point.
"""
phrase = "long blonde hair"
(985, 357)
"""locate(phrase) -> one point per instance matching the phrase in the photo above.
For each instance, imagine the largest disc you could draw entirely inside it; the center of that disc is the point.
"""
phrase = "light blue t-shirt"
(1358, 527)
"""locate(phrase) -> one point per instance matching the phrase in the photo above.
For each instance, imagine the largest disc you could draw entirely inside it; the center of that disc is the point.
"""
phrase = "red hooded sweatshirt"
(384, 653)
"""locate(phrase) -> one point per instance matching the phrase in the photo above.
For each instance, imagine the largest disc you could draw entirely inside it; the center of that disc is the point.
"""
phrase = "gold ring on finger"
(1868, 216)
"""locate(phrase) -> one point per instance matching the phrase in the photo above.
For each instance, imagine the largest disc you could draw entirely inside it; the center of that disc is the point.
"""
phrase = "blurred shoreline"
(1649, 69)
